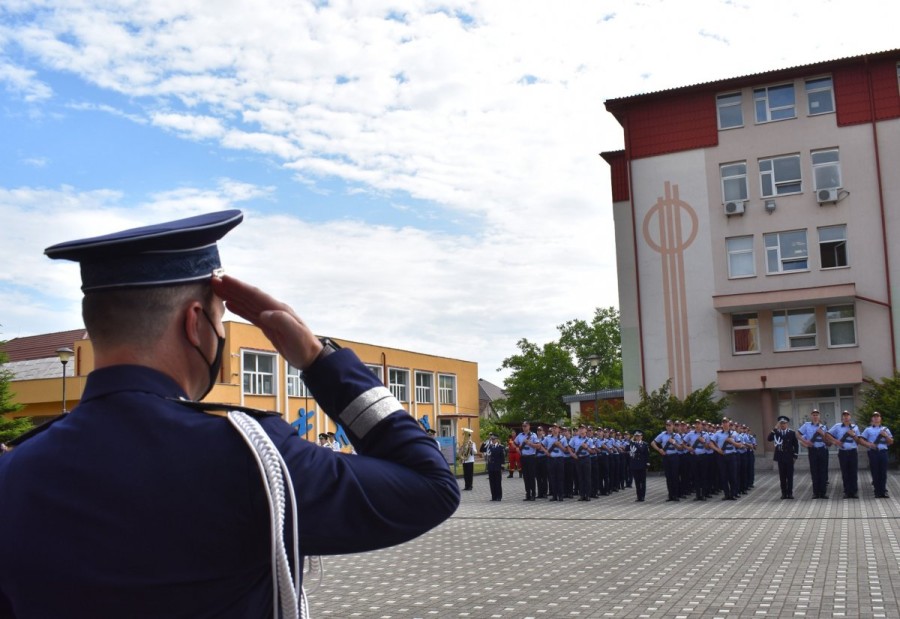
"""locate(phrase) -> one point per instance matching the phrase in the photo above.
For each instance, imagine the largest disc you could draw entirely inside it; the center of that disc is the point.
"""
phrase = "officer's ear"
(192, 317)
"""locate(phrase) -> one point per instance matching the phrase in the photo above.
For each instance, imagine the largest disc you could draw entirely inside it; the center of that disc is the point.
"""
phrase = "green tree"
(882, 396)
(602, 337)
(540, 377)
(9, 428)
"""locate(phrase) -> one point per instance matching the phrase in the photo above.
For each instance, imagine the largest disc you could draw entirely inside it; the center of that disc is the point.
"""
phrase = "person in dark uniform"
(495, 456)
(638, 461)
(666, 443)
(541, 467)
(145, 502)
(877, 438)
(787, 450)
(814, 436)
(526, 441)
(844, 435)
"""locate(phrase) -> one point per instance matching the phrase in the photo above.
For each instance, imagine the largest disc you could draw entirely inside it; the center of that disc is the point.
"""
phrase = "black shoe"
(510, 476)
(790, 496)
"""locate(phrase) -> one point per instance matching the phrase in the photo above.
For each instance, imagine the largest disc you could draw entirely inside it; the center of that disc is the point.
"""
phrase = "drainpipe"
(634, 241)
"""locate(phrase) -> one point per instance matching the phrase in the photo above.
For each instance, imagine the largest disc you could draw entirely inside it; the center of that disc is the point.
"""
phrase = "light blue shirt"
(809, 432)
(556, 451)
(527, 450)
(663, 438)
(842, 433)
(873, 435)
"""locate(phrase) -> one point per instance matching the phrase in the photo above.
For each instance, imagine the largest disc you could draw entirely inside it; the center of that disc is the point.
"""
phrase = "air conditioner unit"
(735, 207)
(824, 196)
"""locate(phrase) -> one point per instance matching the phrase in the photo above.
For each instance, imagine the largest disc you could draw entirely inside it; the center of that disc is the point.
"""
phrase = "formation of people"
(817, 438)
(700, 460)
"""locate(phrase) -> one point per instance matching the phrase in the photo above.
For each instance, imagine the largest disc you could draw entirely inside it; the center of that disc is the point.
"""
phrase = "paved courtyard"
(755, 557)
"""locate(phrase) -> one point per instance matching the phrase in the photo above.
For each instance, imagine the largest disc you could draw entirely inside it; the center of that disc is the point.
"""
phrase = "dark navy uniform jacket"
(134, 505)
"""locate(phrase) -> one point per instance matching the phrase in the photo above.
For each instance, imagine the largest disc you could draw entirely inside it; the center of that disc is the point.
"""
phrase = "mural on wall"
(669, 228)
(303, 425)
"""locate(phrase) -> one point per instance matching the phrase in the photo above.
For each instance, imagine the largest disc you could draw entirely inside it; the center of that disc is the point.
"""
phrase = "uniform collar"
(121, 378)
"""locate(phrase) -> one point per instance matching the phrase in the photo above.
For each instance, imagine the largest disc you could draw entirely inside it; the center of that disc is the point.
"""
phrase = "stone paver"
(755, 557)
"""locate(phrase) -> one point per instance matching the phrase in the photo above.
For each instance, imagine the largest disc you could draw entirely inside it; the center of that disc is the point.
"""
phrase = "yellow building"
(440, 392)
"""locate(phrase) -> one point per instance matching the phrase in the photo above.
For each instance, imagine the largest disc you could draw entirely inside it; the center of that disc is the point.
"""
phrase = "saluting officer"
(877, 438)
(495, 457)
(844, 436)
(787, 450)
(144, 501)
(666, 444)
(814, 436)
(639, 460)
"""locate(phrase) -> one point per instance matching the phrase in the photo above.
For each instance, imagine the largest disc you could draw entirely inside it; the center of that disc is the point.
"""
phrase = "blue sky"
(416, 174)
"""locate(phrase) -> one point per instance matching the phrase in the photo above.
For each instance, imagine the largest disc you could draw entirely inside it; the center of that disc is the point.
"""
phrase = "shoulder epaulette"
(221, 408)
(34, 431)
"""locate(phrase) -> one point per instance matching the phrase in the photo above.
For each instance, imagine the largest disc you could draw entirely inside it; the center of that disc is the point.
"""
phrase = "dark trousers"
(710, 474)
(556, 470)
(595, 476)
(670, 468)
(629, 474)
(529, 475)
(697, 471)
(728, 475)
(786, 476)
(569, 483)
(614, 472)
(468, 473)
(640, 482)
(849, 461)
(878, 466)
(603, 463)
(583, 470)
(496, 484)
(818, 470)
(540, 475)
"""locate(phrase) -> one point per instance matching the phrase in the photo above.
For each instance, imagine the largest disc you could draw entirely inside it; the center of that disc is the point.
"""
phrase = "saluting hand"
(278, 321)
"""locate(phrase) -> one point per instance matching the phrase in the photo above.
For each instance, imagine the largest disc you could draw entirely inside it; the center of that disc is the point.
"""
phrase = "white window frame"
(833, 316)
(398, 383)
(726, 101)
(826, 163)
(736, 247)
(377, 370)
(775, 251)
(816, 89)
(752, 325)
(793, 337)
(766, 110)
(833, 242)
(259, 380)
(733, 175)
(447, 393)
(424, 392)
(778, 183)
(296, 388)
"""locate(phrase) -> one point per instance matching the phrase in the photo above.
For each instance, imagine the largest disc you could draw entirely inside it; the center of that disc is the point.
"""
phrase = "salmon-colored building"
(440, 392)
(756, 220)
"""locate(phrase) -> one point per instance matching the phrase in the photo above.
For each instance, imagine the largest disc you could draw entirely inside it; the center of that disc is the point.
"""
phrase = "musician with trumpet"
(877, 438)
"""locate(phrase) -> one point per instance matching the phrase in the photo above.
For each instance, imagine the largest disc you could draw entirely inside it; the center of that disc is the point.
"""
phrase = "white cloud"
(489, 111)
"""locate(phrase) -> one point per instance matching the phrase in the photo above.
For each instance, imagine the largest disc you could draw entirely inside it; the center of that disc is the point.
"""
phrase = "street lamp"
(64, 355)
(594, 360)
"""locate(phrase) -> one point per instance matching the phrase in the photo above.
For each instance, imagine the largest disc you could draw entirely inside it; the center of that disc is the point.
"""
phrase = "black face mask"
(216, 364)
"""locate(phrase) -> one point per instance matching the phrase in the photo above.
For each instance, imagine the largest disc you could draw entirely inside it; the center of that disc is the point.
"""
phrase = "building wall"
(42, 397)
(677, 299)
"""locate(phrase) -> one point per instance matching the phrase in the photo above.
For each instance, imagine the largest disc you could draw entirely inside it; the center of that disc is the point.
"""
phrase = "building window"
(295, 386)
(377, 371)
(259, 373)
(779, 175)
(745, 333)
(730, 114)
(740, 256)
(447, 388)
(734, 181)
(424, 386)
(398, 383)
(794, 329)
(786, 251)
(774, 103)
(841, 326)
(826, 166)
(833, 246)
(819, 96)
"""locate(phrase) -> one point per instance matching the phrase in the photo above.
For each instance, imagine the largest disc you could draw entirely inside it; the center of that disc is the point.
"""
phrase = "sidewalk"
(755, 557)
